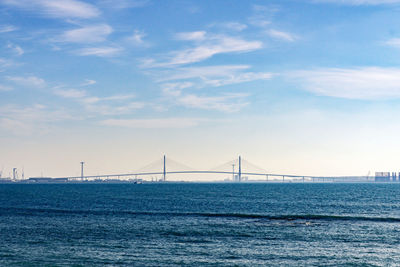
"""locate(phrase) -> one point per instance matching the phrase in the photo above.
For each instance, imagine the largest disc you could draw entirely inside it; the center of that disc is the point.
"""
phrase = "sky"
(307, 87)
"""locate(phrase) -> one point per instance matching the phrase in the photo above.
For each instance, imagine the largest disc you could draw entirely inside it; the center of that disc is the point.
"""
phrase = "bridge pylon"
(240, 169)
(164, 171)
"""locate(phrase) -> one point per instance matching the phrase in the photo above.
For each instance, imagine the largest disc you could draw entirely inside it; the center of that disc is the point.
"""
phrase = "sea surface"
(178, 224)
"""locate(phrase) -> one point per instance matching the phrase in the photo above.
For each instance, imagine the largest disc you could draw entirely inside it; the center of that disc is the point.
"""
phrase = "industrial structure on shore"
(387, 177)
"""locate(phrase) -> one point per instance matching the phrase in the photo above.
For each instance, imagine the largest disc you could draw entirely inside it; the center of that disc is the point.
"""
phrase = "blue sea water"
(200, 224)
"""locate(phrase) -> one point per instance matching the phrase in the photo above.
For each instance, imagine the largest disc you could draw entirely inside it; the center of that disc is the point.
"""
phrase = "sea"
(200, 224)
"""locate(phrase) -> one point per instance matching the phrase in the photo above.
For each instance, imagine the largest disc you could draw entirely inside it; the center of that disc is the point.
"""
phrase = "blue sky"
(307, 87)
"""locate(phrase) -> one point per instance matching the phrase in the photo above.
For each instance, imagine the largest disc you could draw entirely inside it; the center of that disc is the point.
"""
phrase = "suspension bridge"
(237, 170)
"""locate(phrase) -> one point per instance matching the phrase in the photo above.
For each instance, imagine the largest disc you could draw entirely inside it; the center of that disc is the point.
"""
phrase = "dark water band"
(285, 217)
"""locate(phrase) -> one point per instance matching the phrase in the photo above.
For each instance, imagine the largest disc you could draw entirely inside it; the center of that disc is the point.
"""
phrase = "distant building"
(382, 176)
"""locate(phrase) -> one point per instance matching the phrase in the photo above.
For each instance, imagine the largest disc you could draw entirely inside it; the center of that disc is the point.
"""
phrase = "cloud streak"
(103, 51)
(16, 48)
(87, 34)
(57, 9)
(227, 103)
(280, 35)
(159, 123)
(206, 46)
(394, 42)
(215, 75)
(359, 2)
(7, 28)
(5, 88)
(368, 83)
(28, 81)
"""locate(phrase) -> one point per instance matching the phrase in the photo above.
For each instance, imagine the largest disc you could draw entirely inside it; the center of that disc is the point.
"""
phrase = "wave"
(283, 217)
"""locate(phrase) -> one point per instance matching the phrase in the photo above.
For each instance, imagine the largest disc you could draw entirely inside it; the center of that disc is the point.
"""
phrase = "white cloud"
(215, 75)
(95, 99)
(236, 26)
(118, 97)
(263, 15)
(395, 42)
(225, 103)
(88, 82)
(70, 93)
(358, 83)
(7, 28)
(6, 63)
(16, 48)
(123, 4)
(105, 51)
(87, 34)
(285, 36)
(58, 8)
(137, 38)
(209, 46)
(109, 110)
(5, 88)
(175, 89)
(29, 81)
(191, 36)
(359, 2)
(100, 105)
(153, 123)
(239, 78)
(202, 72)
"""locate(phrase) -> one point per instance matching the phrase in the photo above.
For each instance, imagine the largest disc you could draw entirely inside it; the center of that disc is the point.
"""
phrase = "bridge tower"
(164, 170)
(82, 170)
(240, 169)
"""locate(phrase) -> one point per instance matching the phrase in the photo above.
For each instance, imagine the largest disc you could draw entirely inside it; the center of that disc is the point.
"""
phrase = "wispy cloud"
(7, 28)
(175, 89)
(285, 36)
(215, 75)
(137, 38)
(207, 45)
(395, 42)
(235, 26)
(263, 15)
(87, 34)
(5, 64)
(123, 4)
(159, 123)
(95, 99)
(104, 51)
(16, 49)
(5, 88)
(88, 82)
(358, 2)
(28, 81)
(57, 9)
(201, 72)
(360, 83)
(70, 93)
(101, 105)
(112, 110)
(191, 36)
(226, 103)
